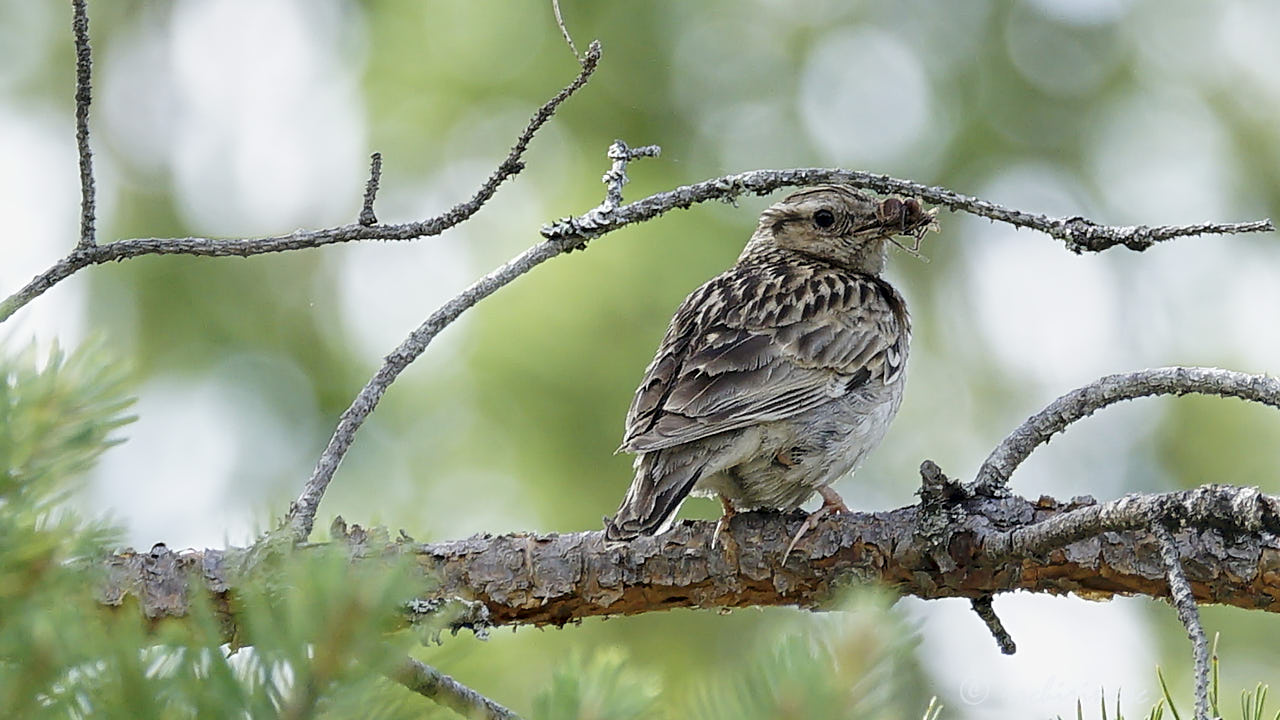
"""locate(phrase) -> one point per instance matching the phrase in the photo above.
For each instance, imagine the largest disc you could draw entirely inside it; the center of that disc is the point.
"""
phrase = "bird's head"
(839, 225)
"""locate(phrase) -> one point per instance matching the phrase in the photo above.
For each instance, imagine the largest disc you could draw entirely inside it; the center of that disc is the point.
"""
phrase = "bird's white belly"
(783, 463)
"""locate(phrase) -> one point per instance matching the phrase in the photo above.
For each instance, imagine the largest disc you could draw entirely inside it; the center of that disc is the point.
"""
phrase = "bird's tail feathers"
(655, 495)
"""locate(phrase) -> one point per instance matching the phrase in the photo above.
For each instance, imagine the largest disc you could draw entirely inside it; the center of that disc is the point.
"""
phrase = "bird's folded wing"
(723, 367)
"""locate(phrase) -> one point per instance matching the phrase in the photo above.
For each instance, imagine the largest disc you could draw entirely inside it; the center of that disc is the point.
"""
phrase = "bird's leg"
(723, 522)
(831, 502)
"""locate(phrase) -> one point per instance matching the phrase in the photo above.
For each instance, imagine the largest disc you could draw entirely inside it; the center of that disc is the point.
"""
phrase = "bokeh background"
(245, 117)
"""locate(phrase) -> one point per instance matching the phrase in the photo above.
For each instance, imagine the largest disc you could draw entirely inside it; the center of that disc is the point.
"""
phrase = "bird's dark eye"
(824, 218)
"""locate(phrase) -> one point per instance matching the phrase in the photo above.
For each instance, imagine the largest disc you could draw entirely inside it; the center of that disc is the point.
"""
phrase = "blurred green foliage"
(56, 417)
(313, 637)
(317, 625)
(510, 422)
(602, 687)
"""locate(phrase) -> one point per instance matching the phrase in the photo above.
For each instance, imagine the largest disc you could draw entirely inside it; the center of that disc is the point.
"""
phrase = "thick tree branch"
(994, 474)
(1231, 558)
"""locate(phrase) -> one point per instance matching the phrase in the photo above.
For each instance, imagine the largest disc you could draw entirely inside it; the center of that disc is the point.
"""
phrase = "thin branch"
(986, 611)
(431, 683)
(1245, 509)
(209, 247)
(83, 257)
(1184, 601)
(84, 66)
(994, 474)
(302, 511)
(616, 177)
(564, 30)
(301, 516)
(1079, 234)
(367, 217)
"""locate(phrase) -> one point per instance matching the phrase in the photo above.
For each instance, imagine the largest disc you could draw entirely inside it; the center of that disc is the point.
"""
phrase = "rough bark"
(962, 548)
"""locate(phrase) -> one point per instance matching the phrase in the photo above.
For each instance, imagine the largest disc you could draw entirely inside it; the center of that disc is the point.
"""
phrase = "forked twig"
(301, 515)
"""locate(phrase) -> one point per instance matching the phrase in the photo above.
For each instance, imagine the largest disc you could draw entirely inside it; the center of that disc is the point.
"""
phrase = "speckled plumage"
(778, 376)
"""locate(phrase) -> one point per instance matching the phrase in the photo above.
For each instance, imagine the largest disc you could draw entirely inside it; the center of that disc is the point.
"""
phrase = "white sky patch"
(1160, 157)
(137, 107)
(40, 202)
(26, 35)
(1055, 59)
(209, 460)
(1044, 313)
(1253, 299)
(388, 289)
(753, 134)
(849, 80)
(1247, 38)
(1247, 35)
(1068, 649)
(167, 483)
(1083, 12)
(714, 63)
(269, 131)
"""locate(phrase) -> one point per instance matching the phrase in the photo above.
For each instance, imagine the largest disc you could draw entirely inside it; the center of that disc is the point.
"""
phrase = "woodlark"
(778, 376)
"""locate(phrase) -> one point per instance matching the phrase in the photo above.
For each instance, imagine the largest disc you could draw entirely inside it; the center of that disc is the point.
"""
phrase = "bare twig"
(986, 610)
(994, 474)
(83, 257)
(564, 30)
(367, 217)
(302, 512)
(1245, 509)
(1185, 602)
(1078, 233)
(616, 177)
(431, 683)
(84, 66)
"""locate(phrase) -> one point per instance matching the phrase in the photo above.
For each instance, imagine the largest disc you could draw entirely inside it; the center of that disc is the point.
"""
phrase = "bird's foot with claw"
(831, 503)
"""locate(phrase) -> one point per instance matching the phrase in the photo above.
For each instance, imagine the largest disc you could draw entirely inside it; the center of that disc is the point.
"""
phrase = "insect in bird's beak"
(906, 217)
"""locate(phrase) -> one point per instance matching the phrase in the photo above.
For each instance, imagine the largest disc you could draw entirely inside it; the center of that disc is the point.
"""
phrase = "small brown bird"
(778, 376)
